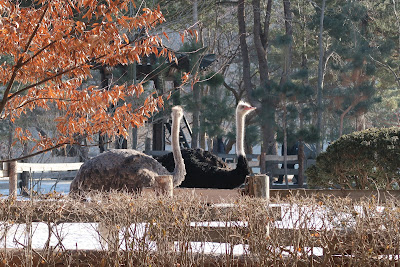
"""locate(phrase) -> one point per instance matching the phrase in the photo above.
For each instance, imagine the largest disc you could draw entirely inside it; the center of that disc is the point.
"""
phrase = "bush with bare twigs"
(155, 230)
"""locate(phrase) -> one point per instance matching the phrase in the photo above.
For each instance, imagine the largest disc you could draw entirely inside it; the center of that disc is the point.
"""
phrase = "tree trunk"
(265, 108)
(320, 76)
(285, 76)
(285, 145)
(134, 137)
(360, 122)
(158, 125)
(10, 140)
(196, 116)
(25, 175)
(103, 139)
(202, 133)
(245, 53)
(302, 160)
(261, 38)
(289, 32)
(355, 102)
(229, 145)
(196, 92)
(158, 136)
(300, 152)
(299, 106)
(268, 105)
(268, 146)
(121, 142)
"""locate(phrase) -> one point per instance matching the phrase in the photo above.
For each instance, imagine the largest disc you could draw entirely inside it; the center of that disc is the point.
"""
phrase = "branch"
(36, 29)
(267, 21)
(314, 4)
(388, 68)
(227, 3)
(237, 97)
(36, 153)
(43, 81)
(42, 98)
(20, 63)
(61, 73)
(41, 50)
(8, 89)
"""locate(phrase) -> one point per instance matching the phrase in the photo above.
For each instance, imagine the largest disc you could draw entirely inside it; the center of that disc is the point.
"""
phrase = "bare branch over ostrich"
(128, 169)
(205, 170)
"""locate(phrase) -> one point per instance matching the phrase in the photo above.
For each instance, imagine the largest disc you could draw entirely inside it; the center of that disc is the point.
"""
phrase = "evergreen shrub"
(368, 159)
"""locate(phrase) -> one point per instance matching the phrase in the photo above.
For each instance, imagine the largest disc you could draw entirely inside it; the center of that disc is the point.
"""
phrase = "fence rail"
(253, 159)
(223, 232)
(234, 231)
(41, 167)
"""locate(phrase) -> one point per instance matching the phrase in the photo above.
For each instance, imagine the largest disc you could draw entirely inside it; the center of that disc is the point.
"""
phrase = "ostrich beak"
(250, 108)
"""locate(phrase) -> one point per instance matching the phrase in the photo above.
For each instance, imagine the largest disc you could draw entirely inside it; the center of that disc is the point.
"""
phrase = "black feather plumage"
(205, 170)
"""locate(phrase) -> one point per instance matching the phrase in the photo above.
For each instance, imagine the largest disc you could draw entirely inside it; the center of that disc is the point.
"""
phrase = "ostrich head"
(177, 112)
(242, 110)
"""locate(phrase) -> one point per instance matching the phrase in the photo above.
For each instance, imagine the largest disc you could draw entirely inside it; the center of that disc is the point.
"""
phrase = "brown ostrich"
(127, 169)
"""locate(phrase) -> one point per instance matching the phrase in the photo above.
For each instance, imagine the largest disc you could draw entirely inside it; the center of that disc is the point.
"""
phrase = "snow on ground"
(41, 186)
(70, 235)
(86, 236)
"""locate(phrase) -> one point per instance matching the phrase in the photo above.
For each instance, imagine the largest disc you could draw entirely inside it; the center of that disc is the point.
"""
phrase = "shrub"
(150, 230)
(368, 159)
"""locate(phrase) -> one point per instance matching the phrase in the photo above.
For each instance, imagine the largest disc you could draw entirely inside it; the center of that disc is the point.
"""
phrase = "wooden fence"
(40, 167)
(69, 169)
(271, 163)
(13, 168)
(273, 167)
(258, 187)
(203, 232)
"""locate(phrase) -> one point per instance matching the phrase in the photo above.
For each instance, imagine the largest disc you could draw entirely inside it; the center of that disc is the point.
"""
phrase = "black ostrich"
(205, 170)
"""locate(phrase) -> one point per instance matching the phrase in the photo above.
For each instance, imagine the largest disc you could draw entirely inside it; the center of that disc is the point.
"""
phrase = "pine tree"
(354, 91)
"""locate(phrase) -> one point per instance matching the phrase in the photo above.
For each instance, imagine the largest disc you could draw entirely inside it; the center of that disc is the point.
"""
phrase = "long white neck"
(179, 171)
(240, 120)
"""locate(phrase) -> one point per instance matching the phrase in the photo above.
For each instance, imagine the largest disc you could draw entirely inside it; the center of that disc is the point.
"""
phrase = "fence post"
(147, 145)
(259, 186)
(108, 235)
(24, 185)
(263, 168)
(164, 185)
(12, 179)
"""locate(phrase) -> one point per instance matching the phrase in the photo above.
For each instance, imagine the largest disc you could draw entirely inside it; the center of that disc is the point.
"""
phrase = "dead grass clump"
(144, 230)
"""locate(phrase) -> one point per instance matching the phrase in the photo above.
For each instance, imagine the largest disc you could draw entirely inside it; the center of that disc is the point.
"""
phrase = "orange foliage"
(53, 47)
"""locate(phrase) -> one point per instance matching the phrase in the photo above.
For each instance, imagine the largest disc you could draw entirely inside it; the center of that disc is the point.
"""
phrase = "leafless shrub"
(135, 230)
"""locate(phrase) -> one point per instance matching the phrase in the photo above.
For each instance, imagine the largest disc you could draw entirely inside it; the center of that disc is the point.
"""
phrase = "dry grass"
(158, 231)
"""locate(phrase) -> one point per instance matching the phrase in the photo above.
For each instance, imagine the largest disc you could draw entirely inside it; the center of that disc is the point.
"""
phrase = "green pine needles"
(368, 159)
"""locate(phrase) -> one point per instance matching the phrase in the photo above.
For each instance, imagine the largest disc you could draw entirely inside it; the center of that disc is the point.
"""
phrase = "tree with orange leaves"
(53, 45)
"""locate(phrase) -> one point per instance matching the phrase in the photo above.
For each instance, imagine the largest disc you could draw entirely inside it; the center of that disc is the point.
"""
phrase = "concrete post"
(12, 179)
(259, 186)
